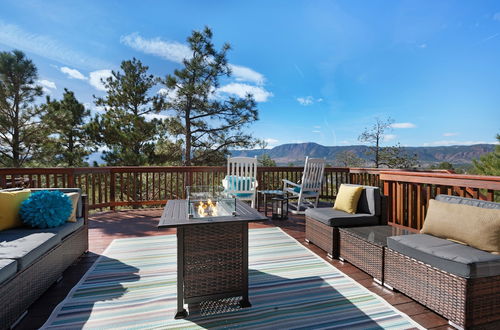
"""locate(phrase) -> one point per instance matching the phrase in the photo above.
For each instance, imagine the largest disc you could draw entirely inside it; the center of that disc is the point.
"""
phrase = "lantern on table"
(279, 208)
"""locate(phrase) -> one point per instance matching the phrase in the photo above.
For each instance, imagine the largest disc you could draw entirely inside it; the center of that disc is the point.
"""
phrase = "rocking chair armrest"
(287, 182)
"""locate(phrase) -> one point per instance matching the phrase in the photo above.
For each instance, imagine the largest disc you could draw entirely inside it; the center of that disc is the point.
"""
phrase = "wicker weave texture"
(213, 259)
(466, 302)
(362, 254)
(323, 236)
(27, 286)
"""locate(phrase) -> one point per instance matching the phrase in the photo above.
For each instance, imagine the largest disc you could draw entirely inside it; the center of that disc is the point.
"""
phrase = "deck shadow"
(275, 297)
(104, 283)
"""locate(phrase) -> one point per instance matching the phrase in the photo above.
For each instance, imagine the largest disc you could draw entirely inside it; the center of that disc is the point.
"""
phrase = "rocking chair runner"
(308, 188)
(241, 179)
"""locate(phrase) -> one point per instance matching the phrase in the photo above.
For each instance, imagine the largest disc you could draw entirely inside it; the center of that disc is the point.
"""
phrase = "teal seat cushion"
(25, 245)
(237, 183)
(8, 268)
(242, 195)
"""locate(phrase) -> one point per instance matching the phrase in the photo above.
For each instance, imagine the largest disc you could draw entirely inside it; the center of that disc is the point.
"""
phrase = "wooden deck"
(107, 226)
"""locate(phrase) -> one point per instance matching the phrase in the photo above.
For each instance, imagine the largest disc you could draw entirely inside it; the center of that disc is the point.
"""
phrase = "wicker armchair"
(457, 281)
(322, 224)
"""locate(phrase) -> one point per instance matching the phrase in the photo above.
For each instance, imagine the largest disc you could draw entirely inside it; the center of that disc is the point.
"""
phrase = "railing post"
(71, 178)
(112, 190)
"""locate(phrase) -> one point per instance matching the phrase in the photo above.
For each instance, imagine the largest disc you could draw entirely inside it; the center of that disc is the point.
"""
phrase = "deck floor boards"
(104, 227)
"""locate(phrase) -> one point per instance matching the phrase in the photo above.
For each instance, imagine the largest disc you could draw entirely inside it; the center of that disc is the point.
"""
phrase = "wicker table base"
(212, 254)
(364, 247)
(212, 263)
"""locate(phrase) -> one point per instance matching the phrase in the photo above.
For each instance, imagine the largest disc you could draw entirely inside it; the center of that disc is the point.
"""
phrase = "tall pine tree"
(208, 123)
(123, 130)
(20, 130)
(69, 142)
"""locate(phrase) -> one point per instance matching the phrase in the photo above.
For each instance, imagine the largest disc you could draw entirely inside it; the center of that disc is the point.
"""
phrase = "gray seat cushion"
(8, 268)
(336, 218)
(67, 228)
(454, 258)
(369, 201)
(26, 245)
(467, 201)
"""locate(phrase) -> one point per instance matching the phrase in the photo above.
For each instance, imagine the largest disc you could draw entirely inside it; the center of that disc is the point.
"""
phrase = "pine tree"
(489, 164)
(209, 123)
(69, 142)
(20, 128)
(375, 137)
(123, 130)
(393, 156)
(348, 158)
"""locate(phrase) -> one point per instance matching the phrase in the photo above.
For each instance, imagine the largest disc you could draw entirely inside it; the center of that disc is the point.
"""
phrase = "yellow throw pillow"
(10, 203)
(347, 198)
(475, 226)
(74, 196)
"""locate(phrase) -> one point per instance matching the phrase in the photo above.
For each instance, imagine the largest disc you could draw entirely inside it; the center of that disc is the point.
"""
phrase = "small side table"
(364, 247)
(267, 196)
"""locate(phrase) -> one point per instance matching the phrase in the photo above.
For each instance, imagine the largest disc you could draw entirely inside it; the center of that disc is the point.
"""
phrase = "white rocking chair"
(308, 188)
(241, 179)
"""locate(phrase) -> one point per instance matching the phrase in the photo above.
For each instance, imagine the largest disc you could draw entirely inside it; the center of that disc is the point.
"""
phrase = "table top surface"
(376, 234)
(175, 214)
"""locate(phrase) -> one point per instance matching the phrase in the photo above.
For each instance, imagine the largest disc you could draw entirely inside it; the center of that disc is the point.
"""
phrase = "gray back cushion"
(467, 201)
(369, 201)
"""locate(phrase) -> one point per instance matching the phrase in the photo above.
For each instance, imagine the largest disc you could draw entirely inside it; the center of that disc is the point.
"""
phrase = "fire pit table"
(212, 249)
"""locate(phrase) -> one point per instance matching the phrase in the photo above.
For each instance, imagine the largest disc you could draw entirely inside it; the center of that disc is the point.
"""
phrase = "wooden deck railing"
(409, 192)
(110, 187)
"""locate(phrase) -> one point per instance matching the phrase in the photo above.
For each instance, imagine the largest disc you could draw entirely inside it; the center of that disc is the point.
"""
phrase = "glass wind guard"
(209, 202)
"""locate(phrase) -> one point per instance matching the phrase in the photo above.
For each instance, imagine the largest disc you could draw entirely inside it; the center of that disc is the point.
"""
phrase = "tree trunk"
(187, 154)
(15, 136)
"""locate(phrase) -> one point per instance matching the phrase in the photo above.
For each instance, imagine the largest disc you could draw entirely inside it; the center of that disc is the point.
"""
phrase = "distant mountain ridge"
(296, 153)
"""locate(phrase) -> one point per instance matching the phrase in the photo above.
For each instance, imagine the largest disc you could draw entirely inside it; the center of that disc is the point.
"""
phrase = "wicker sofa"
(457, 281)
(31, 260)
(322, 224)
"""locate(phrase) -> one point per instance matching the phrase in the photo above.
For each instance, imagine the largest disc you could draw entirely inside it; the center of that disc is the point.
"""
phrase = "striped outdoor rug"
(133, 285)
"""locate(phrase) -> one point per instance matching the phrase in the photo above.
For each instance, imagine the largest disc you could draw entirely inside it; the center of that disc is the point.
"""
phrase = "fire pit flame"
(208, 209)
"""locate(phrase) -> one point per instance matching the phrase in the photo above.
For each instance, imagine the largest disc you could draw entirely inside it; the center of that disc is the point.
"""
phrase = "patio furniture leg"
(245, 301)
(181, 312)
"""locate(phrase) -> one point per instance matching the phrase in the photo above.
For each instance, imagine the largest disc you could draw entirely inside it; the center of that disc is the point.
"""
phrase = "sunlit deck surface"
(107, 226)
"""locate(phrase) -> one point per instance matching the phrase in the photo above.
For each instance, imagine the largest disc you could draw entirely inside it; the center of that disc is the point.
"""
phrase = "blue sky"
(322, 71)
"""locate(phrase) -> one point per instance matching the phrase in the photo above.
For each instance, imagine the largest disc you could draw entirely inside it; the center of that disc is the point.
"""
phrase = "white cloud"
(271, 141)
(496, 16)
(169, 50)
(422, 46)
(42, 45)
(305, 100)
(389, 137)
(317, 126)
(170, 94)
(450, 134)
(242, 73)
(47, 84)
(403, 125)
(72, 73)
(241, 90)
(176, 52)
(455, 143)
(151, 116)
(344, 142)
(96, 76)
(316, 131)
(308, 100)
